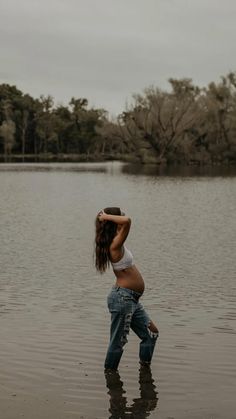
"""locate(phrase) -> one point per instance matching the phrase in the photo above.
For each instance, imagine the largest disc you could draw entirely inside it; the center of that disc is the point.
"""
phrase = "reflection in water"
(178, 171)
(142, 406)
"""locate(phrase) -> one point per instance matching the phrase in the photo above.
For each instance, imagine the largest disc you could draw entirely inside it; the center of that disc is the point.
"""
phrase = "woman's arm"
(118, 219)
(122, 233)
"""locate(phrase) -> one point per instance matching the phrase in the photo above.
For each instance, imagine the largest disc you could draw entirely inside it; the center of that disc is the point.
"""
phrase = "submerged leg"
(146, 330)
(120, 326)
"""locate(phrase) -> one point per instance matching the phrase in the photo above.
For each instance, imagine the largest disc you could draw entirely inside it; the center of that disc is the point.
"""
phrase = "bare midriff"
(130, 278)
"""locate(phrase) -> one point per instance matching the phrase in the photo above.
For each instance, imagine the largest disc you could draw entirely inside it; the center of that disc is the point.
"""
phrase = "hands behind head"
(101, 216)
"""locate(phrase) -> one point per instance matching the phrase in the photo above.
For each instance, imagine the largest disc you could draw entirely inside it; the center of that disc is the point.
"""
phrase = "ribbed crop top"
(125, 262)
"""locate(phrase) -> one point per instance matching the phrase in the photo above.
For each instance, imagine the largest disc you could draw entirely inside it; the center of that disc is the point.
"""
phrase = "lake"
(53, 315)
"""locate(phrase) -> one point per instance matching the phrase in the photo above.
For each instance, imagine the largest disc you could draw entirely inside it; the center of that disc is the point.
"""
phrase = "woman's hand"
(101, 215)
(118, 219)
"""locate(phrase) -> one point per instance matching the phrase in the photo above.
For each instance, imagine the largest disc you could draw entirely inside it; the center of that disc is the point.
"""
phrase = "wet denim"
(127, 312)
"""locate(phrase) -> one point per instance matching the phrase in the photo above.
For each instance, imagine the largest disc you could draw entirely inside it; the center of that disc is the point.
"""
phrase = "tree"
(23, 116)
(7, 128)
(7, 132)
(161, 119)
(45, 124)
(220, 120)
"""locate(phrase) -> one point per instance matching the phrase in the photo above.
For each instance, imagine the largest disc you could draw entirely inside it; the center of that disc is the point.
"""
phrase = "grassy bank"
(50, 157)
(128, 158)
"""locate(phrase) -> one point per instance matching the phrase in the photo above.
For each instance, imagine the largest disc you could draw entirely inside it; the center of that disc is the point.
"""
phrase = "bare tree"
(162, 119)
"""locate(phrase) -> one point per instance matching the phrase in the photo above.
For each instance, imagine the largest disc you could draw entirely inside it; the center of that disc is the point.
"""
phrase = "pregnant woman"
(112, 229)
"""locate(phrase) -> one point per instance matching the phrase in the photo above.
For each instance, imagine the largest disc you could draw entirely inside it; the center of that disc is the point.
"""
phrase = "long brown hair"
(105, 231)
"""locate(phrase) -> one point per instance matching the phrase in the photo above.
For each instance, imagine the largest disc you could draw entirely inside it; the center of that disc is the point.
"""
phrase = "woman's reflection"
(142, 406)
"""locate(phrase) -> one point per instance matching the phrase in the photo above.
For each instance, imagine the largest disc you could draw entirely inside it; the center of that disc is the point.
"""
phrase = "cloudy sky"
(106, 50)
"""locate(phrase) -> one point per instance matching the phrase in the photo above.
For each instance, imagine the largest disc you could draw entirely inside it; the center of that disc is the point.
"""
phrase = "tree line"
(37, 126)
(184, 125)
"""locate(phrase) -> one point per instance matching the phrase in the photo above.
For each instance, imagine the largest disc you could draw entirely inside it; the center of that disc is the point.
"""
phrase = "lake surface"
(54, 322)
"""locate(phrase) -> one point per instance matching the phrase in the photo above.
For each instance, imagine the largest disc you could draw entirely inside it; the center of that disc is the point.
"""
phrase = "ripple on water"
(54, 321)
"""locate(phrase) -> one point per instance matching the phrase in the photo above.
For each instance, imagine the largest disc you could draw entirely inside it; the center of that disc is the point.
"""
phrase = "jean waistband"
(135, 294)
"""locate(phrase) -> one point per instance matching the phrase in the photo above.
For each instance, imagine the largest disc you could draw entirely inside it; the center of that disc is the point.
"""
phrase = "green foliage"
(187, 124)
(42, 127)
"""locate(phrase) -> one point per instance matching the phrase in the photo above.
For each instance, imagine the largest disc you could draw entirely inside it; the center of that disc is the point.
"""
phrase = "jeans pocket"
(113, 303)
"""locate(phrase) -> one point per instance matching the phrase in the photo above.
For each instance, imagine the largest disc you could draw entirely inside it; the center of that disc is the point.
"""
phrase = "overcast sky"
(106, 50)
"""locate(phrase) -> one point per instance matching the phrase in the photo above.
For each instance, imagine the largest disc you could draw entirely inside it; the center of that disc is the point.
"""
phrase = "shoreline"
(83, 158)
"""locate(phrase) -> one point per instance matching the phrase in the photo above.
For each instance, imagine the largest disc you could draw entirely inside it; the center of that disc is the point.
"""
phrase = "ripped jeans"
(127, 312)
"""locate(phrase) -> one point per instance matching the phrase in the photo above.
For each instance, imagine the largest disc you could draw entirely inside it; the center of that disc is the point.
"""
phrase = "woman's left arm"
(118, 219)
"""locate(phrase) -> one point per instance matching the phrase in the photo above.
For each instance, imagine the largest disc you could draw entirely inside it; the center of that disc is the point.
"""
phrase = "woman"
(112, 229)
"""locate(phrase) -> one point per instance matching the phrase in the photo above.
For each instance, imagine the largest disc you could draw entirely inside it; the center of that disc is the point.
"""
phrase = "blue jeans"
(127, 312)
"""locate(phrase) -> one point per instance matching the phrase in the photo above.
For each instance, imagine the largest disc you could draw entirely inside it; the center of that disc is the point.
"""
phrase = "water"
(53, 315)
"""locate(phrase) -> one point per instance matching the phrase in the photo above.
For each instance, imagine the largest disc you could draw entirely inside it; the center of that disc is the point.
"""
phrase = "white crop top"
(125, 262)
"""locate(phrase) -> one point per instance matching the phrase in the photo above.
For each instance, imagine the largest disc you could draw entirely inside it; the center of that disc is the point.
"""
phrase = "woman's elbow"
(128, 221)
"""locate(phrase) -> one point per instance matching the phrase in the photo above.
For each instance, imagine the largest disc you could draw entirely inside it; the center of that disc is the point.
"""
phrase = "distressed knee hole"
(152, 329)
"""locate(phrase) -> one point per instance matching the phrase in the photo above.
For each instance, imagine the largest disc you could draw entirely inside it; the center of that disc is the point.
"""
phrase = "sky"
(108, 50)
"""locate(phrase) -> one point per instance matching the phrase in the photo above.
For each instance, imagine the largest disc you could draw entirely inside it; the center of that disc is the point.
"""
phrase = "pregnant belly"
(130, 278)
